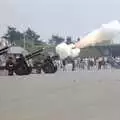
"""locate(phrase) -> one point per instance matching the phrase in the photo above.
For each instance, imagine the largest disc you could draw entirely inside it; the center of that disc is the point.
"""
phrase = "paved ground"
(81, 95)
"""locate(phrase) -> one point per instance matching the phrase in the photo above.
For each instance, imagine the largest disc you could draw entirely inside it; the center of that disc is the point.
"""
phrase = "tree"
(12, 34)
(68, 40)
(78, 39)
(31, 35)
(55, 40)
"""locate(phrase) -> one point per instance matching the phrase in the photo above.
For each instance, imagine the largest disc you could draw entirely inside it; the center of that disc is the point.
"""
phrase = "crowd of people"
(83, 63)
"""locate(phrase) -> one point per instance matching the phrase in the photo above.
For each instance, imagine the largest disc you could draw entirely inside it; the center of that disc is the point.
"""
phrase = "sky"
(62, 17)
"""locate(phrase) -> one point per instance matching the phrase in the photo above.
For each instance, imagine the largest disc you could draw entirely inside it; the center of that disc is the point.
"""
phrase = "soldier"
(64, 64)
(73, 65)
(10, 66)
(48, 65)
(88, 64)
(48, 59)
(100, 63)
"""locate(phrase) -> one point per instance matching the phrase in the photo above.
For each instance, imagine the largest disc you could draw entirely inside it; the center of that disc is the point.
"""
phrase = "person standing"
(64, 64)
(10, 66)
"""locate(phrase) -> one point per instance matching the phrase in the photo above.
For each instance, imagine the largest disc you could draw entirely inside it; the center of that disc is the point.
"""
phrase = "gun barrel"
(4, 50)
(33, 54)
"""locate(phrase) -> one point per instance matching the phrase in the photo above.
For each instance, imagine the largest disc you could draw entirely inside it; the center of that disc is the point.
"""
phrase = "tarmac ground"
(81, 95)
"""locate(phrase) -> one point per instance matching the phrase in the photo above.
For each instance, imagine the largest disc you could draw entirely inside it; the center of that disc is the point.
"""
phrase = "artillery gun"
(4, 50)
(45, 64)
(22, 66)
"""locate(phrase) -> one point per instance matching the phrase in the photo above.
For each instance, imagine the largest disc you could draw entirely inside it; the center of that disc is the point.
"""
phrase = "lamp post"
(24, 41)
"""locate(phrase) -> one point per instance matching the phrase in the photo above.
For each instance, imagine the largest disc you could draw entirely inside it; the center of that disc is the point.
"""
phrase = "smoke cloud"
(64, 50)
(107, 32)
(104, 33)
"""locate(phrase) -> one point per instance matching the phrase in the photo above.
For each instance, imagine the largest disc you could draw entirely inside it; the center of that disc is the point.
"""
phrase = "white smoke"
(65, 50)
(107, 32)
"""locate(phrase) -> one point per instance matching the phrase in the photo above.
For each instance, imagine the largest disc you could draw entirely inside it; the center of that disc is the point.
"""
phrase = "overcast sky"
(62, 17)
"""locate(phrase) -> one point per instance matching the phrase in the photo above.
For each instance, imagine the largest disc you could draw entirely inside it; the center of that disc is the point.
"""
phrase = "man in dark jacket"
(10, 66)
